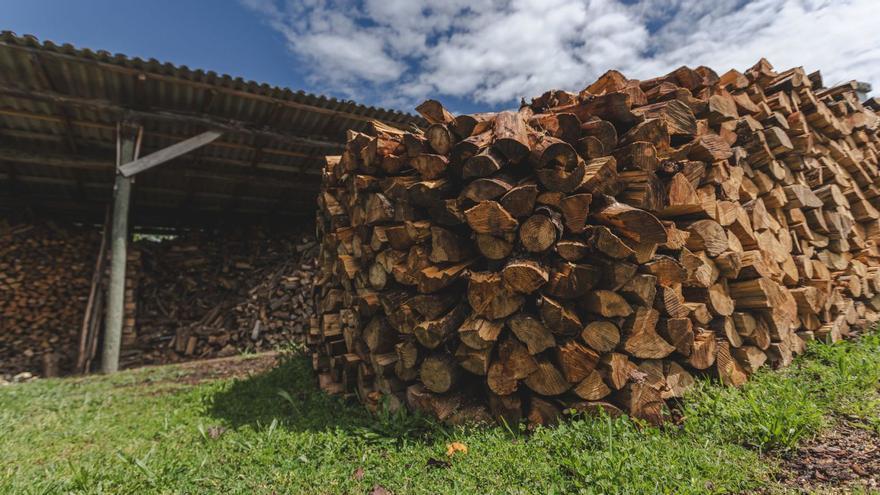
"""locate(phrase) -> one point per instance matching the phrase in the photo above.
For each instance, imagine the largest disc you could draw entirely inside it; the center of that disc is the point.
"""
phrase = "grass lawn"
(155, 431)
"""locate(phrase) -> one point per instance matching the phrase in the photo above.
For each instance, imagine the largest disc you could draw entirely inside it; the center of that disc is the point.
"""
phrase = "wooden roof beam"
(18, 133)
(12, 175)
(204, 120)
(161, 216)
(101, 163)
(167, 154)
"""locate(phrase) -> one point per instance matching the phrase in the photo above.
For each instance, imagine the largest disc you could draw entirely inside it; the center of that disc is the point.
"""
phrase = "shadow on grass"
(288, 395)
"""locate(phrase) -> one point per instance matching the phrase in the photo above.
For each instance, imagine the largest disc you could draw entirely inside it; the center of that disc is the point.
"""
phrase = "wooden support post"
(91, 326)
(128, 145)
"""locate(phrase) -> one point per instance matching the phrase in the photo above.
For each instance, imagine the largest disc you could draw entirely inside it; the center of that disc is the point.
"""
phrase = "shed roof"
(59, 107)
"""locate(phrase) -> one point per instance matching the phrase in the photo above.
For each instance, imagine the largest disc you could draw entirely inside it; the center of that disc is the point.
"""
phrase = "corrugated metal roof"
(59, 106)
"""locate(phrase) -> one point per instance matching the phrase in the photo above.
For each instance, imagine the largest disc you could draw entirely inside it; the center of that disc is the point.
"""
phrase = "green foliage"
(776, 410)
(146, 431)
(768, 413)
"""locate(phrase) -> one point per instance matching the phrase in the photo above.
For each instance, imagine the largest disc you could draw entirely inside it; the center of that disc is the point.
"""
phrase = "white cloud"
(397, 52)
(836, 36)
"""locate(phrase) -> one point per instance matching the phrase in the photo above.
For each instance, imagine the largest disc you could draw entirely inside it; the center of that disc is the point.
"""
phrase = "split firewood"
(601, 247)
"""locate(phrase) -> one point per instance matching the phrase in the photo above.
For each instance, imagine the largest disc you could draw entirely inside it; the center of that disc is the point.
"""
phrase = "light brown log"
(725, 328)
(430, 166)
(716, 298)
(636, 224)
(432, 278)
(641, 289)
(439, 372)
(519, 201)
(488, 217)
(485, 189)
(532, 332)
(641, 338)
(559, 167)
(448, 247)
(513, 363)
(571, 280)
(606, 303)
(489, 296)
(669, 271)
(602, 336)
(540, 231)
(576, 361)
(703, 354)
(707, 235)
(434, 112)
(524, 276)
(473, 360)
(575, 209)
(670, 302)
(495, 247)
(560, 319)
(609, 244)
(729, 371)
(470, 125)
(751, 358)
(678, 380)
(432, 333)
(617, 369)
(480, 162)
(511, 135)
(592, 387)
(572, 250)
(679, 332)
(600, 176)
(479, 333)
(547, 379)
(643, 402)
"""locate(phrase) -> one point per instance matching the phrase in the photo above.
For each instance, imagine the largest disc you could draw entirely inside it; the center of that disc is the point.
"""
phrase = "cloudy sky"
(480, 54)
(474, 54)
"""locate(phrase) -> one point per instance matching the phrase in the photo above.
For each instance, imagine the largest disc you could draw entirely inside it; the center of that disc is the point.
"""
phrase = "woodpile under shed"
(203, 294)
(599, 249)
(215, 294)
(45, 273)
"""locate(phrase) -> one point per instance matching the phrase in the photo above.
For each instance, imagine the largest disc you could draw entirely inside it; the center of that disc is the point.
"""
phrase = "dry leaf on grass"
(455, 447)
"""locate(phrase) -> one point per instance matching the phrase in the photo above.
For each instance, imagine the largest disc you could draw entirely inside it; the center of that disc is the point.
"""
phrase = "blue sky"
(220, 35)
(473, 55)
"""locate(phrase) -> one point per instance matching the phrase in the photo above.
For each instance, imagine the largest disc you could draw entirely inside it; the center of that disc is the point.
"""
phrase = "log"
(489, 297)
(606, 303)
(602, 336)
(439, 373)
(511, 135)
(532, 332)
(488, 217)
(524, 276)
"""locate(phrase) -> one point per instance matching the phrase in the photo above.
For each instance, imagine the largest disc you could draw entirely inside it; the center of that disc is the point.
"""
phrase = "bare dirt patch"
(172, 377)
(840, 460)
(195, 372)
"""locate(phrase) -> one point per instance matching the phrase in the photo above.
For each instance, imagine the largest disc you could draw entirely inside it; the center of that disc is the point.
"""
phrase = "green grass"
(146, 432)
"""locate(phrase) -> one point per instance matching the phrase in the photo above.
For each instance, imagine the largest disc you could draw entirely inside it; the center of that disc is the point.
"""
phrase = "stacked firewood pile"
(45, 274)
(600, 249)
(206, 295)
